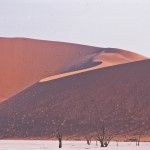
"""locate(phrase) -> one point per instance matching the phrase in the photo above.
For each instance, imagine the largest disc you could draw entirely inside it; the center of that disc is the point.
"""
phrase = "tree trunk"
(88, 142)
(102, 144)
(136, 143)
(106, 144)
(139, 139)
(117, 143)
(60, 143)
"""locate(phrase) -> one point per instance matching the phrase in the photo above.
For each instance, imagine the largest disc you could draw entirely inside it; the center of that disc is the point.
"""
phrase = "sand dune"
(23, 62)
(73, 98)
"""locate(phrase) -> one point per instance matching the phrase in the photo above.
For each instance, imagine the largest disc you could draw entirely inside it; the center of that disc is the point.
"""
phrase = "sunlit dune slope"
(74, 99)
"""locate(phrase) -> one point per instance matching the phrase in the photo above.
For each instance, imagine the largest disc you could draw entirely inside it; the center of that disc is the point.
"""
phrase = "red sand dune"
(73, 99)
(23, 62)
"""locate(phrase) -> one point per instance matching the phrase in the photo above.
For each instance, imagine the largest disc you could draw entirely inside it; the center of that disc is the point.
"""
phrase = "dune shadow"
(84, 65)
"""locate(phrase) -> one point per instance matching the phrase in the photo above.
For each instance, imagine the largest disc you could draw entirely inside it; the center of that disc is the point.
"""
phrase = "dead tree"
(102, 133)
(88, 139)
(96, 143)
(117, 143)
(59, 136)
(140, 132)
(103, 136)
(57, 131)
(141, 120)
(138, 140)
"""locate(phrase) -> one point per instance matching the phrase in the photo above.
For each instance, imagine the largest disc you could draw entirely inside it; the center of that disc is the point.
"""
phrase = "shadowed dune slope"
(32, 113)
(24, 62)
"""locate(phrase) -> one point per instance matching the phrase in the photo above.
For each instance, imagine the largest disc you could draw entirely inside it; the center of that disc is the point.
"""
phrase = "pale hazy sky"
(122, 24)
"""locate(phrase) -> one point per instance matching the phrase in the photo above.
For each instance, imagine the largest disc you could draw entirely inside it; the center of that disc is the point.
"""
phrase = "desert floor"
(67, 145)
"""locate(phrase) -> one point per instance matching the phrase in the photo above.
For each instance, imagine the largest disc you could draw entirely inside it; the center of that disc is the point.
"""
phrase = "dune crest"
(24, 62)
(105, 58)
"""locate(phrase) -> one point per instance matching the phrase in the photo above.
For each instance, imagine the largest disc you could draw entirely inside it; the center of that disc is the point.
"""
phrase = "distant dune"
(31, 113)
(24, 62)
